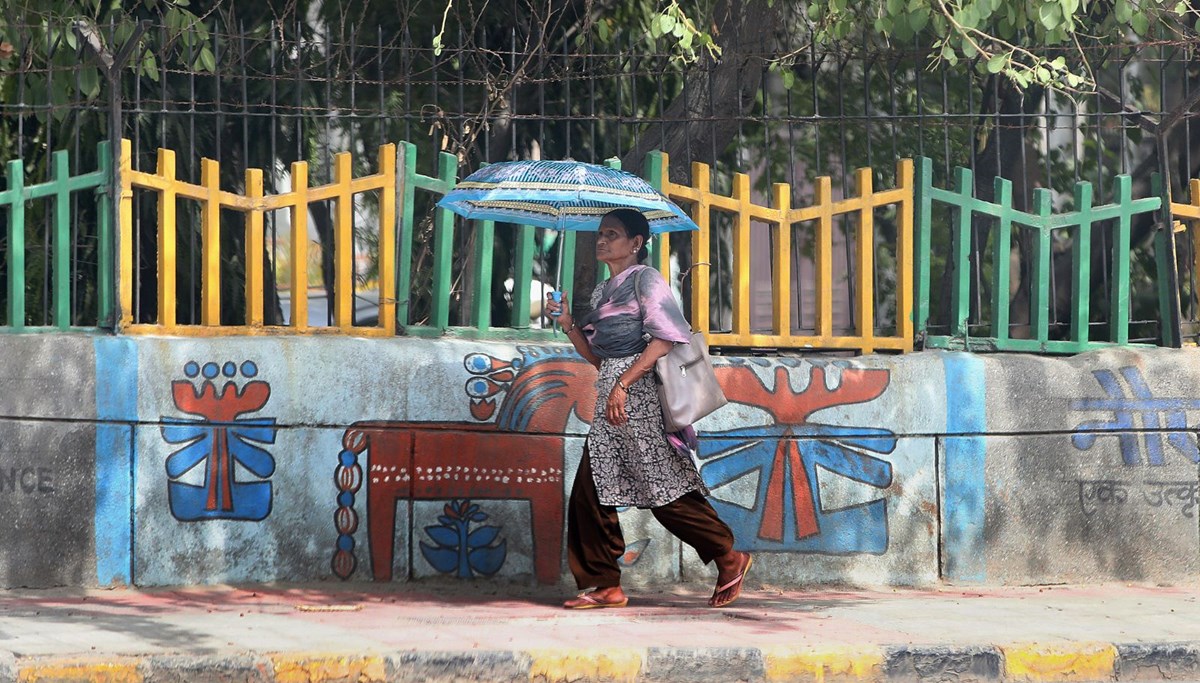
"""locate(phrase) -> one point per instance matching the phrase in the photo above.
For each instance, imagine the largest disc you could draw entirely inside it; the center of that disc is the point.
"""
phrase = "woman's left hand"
(614, 409)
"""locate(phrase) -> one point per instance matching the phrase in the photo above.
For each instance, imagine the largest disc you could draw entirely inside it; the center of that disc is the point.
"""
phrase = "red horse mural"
(519, 456)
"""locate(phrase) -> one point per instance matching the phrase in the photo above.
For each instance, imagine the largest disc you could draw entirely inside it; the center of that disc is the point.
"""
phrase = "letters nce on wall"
(1152, 433)
(47, 501)
(26, 480)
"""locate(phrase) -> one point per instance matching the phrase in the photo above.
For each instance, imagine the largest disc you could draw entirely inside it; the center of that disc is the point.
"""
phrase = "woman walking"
(628, 459)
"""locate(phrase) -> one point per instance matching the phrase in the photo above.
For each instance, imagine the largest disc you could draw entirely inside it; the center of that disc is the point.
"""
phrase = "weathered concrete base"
(165, 461)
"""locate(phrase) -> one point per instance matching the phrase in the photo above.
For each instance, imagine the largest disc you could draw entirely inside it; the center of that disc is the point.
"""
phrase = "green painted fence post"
(443, 244)
(481, 300)
(1118, 315)
(1081, 264)
(1039, 316)
(1170, 327)
(922, 248)
(1001, 254)
(655, 172)
(960, 252)
(105, 273)
(60, 176)
(522, 275)
(407, 177)
(16, 245)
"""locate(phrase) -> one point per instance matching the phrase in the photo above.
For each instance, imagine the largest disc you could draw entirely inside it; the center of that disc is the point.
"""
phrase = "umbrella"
(560, 195)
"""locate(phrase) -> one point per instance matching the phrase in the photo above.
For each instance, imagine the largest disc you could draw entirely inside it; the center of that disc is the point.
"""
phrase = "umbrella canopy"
(560, 195)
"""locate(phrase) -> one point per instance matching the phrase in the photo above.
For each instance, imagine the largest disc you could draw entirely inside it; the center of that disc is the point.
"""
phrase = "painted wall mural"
(514, 449)
(220, 438)
(786, 513)
(518, 455)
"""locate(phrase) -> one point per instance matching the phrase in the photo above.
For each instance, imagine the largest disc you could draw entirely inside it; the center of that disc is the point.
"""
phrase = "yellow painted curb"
(840, 664)
(1059, 662)
(615, 664)
(98, 671)
(324, 668)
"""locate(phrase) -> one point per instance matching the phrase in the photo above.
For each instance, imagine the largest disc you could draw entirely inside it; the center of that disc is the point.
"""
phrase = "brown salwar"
(594, 539)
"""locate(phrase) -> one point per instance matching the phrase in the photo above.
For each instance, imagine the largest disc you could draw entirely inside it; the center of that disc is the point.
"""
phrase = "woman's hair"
(635, 225)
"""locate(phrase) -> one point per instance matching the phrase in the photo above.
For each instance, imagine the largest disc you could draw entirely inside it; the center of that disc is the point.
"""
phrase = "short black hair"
(635, 225)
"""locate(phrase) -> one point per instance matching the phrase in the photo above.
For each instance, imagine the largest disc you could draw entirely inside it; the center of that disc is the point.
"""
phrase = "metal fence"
(269, 96)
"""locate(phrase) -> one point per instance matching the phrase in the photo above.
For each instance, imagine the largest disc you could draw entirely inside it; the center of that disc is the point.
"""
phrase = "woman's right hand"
(562, 308)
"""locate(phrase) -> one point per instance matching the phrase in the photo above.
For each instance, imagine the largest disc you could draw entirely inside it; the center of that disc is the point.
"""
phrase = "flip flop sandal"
(735, 583)
(588, 601)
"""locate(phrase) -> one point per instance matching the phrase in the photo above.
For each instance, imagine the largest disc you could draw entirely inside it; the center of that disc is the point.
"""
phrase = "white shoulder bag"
(687, 386)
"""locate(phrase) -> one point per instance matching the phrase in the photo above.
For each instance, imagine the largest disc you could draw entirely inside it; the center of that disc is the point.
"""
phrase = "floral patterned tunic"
(634, 464)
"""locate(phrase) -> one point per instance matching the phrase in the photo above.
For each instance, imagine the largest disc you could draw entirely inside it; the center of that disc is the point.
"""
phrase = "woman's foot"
(731, 574)
(601, 597)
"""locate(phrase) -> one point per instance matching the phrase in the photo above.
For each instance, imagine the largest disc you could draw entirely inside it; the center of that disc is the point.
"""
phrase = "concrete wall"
(162, 461)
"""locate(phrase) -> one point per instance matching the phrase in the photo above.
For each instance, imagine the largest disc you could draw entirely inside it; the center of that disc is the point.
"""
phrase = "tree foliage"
(1007, 37)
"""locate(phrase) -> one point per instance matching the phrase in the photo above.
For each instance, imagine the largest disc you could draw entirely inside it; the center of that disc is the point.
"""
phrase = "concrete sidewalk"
(419, 632)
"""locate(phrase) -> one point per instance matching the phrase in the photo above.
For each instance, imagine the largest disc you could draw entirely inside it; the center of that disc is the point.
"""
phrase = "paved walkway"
(418, 632)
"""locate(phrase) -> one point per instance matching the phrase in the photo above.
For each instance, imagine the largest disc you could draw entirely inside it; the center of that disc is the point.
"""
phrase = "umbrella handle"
(557, 296)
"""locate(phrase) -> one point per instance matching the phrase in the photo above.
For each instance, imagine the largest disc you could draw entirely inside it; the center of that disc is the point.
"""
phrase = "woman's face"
(612, 244)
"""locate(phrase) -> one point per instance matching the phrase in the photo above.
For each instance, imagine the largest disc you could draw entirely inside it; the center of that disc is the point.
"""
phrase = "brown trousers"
(595, 542)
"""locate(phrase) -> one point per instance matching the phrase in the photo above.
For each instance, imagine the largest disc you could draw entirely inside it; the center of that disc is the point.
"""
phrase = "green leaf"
(150, 67)
(789, 79)
(209, 61)
(996, 64)
(1069, 7)
(1123, 11)
(678, 30)
(602, 30)
(666, 23)
(89, 81)
(1140, 24)
(1050, 15)
(917, 20)
(1181, 8)
(1043, 74)
(686, 41)
(1074, 80)
(895, 7)
(968, 17)
(969, 51)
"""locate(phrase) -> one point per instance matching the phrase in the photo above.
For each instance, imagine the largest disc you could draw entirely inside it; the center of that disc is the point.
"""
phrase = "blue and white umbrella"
(560, 195)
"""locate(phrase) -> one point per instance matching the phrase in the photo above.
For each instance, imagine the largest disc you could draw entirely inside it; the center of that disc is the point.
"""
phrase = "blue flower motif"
(458, 549)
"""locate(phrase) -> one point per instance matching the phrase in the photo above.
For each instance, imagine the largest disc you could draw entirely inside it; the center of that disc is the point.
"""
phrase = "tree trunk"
(717, 91)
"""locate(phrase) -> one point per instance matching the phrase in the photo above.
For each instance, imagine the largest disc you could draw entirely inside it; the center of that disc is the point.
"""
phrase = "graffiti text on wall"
(1134, 408)
(219, 439)
(1095, 494)
(26, 480)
